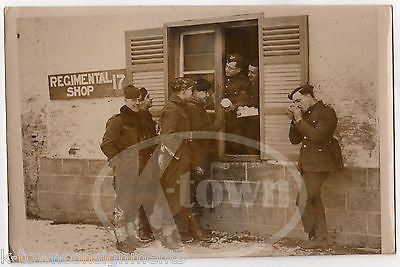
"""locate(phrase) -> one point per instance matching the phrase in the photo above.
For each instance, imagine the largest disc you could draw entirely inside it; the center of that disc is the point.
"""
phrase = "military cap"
(236, 58)
(143, 92)
(180, 84)
(305, 89)
(254, 62)
(202, 85)
(131, 92)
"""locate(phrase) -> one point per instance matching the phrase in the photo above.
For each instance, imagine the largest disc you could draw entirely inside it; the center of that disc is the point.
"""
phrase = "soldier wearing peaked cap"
(313, 125)
(132, 125)
(236, 85)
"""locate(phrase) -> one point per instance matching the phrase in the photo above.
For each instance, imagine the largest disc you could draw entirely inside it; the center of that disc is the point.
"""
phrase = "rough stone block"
(75, 216)
(374, 241)
(243, 192)
(334, 197)
(44, 183)
(86, 184)
(349, 222)
(75, 166)
(65, 184)
(75, 202)
(268, 216)
(262, 170)
(228, 171)
(276, 193)
(107, 203)
(373, 177)
(337, 238)
(46, 214)
(349, 177)
(374, 224)
(50, 166)
(108, 188)
(293, 213)
(227, 212)
(51, 200)
(363, 199)
(60, 216)
(95, 166)
(365, 241)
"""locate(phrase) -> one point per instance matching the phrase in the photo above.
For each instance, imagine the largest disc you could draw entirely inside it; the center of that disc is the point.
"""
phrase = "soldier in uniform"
(252, 123)
(235, 90)
(313, 125)
(132, 125)
(174, 119)
(204, 148)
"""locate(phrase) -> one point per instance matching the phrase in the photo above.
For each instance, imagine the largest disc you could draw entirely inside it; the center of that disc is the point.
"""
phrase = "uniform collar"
(238, 76)
(126, 110)
(313, 107)
(176, 99)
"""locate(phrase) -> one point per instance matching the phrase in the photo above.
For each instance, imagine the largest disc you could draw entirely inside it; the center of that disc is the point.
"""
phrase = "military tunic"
(236, 91)
(122, 131)
(317, 159)
(174, 119)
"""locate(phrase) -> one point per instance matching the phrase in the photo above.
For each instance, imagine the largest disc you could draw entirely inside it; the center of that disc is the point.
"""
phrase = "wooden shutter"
(283, 45)
(145, 63)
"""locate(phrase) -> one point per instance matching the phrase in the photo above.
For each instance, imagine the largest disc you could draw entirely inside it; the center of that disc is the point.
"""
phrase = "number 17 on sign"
(117, 80)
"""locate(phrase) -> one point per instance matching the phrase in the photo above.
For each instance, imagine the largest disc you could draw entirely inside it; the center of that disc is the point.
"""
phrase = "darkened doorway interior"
(243, 40)
(200, 51)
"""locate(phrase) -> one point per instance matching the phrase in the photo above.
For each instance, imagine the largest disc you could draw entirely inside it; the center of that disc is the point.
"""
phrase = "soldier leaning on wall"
(313, 125)
(132, 125)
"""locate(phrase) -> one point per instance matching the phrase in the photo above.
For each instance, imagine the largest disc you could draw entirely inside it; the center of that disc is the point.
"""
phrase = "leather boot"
(195, 228)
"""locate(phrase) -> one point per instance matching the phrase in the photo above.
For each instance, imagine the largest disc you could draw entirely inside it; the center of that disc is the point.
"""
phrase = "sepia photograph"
(164, 133)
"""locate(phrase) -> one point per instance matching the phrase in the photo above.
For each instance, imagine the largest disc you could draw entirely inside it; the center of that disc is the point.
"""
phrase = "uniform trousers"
(313, 216)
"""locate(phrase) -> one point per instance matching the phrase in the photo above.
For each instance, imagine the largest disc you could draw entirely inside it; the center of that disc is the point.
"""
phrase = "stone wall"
(258, 198)
(65, 190)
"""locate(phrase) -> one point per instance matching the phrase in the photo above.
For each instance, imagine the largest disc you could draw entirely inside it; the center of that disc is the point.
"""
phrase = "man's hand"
(289, 114)
(199, 170)
(161, 161)
(297, 115)
(230, 108)
(289, 111)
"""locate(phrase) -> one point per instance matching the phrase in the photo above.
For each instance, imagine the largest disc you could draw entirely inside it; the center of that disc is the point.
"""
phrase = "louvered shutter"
(145, 63)
(283, 44)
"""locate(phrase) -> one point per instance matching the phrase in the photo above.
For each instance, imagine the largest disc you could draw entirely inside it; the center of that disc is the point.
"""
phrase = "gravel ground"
(46, 237)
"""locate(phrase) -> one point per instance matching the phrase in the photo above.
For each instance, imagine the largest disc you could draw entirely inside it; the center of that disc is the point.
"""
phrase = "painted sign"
(93, 84)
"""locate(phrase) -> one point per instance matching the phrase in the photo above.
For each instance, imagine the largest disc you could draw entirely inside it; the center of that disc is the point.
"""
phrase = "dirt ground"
(44, 237)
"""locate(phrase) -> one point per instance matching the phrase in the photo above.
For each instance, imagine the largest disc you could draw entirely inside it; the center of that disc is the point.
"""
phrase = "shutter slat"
(280, 42)
(147, 61)
(282, 37)
(149, 37)
(146, 58)
(147, 42)
(281, 53)
(283, 48)
(146, 47)
(280, 31)
(147, 51)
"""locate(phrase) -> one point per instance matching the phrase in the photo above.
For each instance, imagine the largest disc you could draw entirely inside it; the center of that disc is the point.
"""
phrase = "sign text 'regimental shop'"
(94, 84)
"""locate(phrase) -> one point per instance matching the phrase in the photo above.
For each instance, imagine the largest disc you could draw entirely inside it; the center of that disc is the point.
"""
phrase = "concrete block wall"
(65, 190)
(351, 198)
(266, 203)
